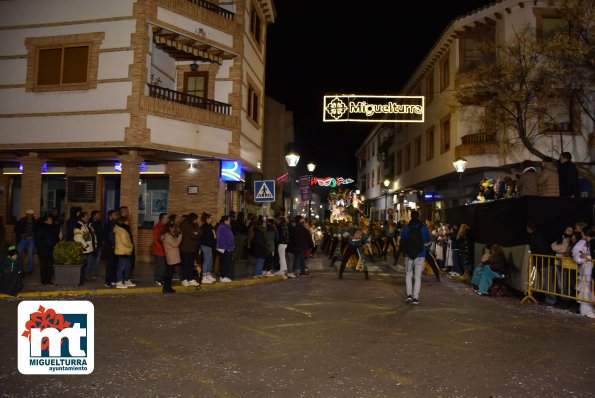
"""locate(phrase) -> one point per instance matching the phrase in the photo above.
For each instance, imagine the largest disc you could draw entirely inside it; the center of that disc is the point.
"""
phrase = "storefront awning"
(183, 48)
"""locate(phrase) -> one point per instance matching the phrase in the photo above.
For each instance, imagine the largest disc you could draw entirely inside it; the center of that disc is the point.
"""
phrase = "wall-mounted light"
(193, 65)
(191, 167)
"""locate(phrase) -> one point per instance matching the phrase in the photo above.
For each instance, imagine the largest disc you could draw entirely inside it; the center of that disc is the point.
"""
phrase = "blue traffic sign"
(264, 191)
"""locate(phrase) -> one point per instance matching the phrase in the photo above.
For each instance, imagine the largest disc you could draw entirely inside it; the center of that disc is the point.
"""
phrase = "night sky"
(328, 47)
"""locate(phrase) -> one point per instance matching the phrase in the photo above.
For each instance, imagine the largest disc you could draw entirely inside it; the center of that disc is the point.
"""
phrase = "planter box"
(67, 275)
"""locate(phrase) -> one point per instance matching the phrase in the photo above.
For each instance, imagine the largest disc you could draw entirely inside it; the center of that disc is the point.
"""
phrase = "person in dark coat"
(259, 248)
(302, 241)
(568, 176)
(545, 266)
(46, 237)
(24, 231)
(72, 222)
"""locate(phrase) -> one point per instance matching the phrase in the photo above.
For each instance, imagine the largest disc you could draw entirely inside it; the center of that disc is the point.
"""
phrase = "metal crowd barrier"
(555, 276)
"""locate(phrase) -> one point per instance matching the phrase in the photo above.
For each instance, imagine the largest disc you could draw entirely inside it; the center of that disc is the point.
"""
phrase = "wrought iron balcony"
(558, 127)
(188, 99)
(479, 138)
(213, 8)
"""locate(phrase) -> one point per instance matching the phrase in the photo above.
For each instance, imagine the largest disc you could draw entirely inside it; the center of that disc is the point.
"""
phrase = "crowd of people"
(203, 251)
(556, 179)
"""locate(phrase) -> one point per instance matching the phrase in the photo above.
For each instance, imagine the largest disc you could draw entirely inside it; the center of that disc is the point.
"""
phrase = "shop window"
(152, 199)
(14, 199)
(53, 194)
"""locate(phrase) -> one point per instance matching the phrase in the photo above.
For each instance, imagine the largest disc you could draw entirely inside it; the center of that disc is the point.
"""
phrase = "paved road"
(317, 336)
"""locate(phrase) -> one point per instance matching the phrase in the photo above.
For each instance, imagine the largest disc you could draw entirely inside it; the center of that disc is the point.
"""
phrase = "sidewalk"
(143, 278)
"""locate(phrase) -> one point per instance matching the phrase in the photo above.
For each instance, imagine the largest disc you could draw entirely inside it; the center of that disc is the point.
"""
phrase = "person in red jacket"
(159, 251)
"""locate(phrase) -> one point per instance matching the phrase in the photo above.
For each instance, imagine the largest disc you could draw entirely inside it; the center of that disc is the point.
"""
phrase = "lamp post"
(292, 160)
(386, 183)
(311, 166)
(459, 166)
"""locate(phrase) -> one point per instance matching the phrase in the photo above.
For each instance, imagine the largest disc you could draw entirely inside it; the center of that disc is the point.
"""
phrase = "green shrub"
(68, 252)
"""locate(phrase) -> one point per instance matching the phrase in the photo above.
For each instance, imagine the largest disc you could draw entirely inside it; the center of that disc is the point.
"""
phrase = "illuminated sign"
(373, 108)
(231, 170)
(330, 181)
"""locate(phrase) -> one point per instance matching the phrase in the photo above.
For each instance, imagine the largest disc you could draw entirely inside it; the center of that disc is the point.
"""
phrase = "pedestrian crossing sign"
(264, 191)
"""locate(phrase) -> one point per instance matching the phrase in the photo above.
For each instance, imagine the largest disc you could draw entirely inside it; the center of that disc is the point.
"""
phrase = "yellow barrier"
(554, 276)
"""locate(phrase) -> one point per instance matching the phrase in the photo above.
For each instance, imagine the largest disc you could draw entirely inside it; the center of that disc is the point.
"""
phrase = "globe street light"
(459, 166)
(386, 183)
(292, 160)
(311, 166)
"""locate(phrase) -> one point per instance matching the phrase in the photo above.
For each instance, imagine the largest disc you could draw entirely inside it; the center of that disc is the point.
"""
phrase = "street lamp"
(311, 166)
(459, 166)
(292, 160)
(386, 183)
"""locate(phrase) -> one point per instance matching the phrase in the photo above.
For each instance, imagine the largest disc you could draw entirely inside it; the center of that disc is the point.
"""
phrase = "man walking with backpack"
(414, 237)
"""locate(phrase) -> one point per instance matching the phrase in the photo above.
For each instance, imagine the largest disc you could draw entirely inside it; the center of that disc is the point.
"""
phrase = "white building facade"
(417, 159)
(130, 98)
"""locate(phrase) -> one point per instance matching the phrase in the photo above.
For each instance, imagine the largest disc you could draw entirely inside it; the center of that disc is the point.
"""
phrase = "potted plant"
(68, 262)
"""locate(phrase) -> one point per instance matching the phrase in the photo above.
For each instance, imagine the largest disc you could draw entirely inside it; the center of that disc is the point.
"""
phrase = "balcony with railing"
(214, 8)
(188, 99)
(477, 144)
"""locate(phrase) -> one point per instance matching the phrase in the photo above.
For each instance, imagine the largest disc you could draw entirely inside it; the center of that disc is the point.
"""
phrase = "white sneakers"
(124, 284)
(225, 279)
(268, 273)
(208, 278)
(190, 282)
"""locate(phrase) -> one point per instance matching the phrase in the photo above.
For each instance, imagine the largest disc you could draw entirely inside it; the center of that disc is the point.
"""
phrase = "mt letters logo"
(56, 337)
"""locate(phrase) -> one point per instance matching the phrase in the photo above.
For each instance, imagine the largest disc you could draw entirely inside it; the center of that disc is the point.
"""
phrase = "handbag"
(11, 282)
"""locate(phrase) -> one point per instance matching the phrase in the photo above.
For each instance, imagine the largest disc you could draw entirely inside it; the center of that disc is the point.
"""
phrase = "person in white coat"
(582, 255)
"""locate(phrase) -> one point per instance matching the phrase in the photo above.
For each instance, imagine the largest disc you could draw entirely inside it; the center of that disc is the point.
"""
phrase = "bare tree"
(518, 81)
(510, 85)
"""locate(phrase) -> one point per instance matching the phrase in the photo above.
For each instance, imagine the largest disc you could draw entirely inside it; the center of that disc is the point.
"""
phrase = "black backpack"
(414, 242)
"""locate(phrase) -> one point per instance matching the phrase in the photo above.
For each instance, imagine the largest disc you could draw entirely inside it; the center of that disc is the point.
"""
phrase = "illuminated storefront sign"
(231, 170)
(373, 108)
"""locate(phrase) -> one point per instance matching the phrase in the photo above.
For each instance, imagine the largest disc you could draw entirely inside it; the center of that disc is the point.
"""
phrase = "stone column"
(31, 184)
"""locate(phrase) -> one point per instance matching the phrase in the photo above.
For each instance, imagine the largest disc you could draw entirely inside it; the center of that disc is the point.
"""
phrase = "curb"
(141, 290)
